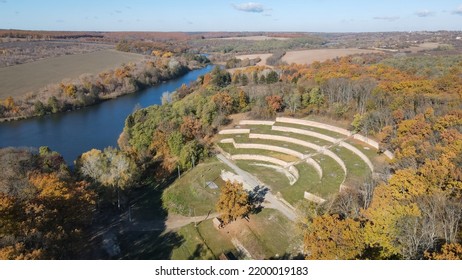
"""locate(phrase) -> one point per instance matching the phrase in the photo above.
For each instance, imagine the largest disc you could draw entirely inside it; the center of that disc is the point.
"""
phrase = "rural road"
(251, 182)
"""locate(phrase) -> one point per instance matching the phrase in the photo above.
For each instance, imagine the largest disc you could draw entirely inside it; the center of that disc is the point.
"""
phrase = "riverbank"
(110, 96)
(97, 126)
(89, 90)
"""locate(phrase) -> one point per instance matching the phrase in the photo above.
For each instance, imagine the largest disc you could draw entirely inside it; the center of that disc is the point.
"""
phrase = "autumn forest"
(129, 201)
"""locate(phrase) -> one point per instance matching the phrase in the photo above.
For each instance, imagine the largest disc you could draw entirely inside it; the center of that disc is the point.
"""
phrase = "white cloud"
(425, 13)
(250, 7)
(387, 18)
(458, 11)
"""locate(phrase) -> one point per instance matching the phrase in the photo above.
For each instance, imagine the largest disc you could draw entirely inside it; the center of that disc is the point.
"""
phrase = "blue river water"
(97, 126)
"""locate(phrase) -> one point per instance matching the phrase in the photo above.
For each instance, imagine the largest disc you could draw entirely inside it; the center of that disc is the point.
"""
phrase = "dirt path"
(177, 221)
(173, 222)
(251, 182)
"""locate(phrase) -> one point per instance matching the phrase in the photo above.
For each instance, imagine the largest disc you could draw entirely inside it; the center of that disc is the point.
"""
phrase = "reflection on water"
(98, 126)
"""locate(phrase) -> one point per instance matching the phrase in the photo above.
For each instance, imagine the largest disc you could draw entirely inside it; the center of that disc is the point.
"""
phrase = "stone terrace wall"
(294, 171)
(358, 153)
(284, 139)
(346, 132)
(366, 140)
(235, 131)
(329, 139)
(255, 122)
(305, 132)
(315, 165)
(315, 147)
(261, 158)
(264, 147)
(314, 198)
(315, 124)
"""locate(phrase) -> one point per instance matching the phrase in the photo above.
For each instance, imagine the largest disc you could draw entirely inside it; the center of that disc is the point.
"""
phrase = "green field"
(312, 129)
(266, 235)
(267, 130)
(203, 242)
(308, 181)
(188, 195)
(20, 79)
(229, 148)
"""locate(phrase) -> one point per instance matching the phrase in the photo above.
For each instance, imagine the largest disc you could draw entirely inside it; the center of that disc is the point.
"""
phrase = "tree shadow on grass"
(198, 252)
(149, 245)
(288, 256)
(256, 198)
(135, 233)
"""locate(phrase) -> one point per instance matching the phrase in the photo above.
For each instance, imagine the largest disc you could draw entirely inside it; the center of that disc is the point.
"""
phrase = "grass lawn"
(149, 245)
(312, 128)
(308, 181)
(370, 152)
(356, 167)
(291, 146)
(188, 196)
(203, 242)
(279, 183)
(267, 130)
(145, 204)
(229, 148)
(332, 177)
(266, 235)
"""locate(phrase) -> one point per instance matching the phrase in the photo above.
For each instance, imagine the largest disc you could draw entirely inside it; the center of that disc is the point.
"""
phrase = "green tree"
(316, 97)
(175, 142)
(53, 104)
(357, 122)
(39, 108)
(244, 80)
(243, 101)
(272, 77)
(190, 154)
(220, 78)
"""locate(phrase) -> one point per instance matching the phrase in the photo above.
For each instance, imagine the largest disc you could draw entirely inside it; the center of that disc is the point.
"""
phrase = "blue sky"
(224, 15)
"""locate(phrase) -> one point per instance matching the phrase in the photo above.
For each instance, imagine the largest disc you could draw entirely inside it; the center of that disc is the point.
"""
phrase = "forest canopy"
(412, 210)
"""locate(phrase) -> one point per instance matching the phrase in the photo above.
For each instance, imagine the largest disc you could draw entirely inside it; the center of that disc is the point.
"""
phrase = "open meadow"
(310, 56)
(18, 80)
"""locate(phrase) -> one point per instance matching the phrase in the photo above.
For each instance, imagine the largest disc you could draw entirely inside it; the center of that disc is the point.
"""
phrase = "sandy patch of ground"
(310, 56)
(262, 56)
(226, 175)
(422, 47)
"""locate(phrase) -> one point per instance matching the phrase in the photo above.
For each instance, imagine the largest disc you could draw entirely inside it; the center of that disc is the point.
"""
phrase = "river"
(97, 126)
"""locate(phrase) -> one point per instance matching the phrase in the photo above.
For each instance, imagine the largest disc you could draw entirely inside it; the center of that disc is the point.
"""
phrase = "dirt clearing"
(310, 56)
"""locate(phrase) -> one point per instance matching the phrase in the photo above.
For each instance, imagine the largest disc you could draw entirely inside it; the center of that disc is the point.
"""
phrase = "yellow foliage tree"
(331, 238)
(384, 214)
(451, 251)
(233, 202)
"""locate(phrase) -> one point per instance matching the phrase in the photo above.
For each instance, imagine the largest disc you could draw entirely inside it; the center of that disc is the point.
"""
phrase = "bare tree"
(362, 90)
